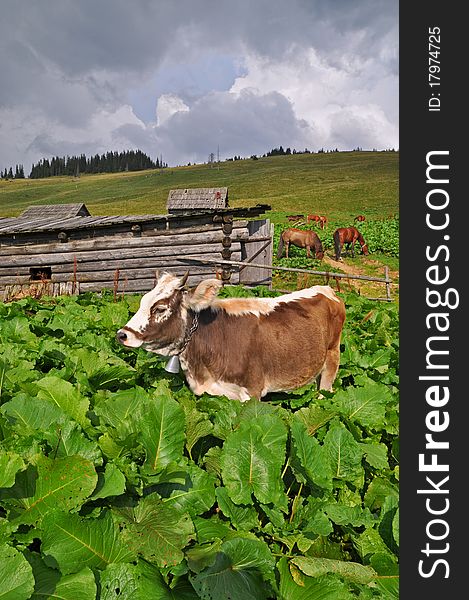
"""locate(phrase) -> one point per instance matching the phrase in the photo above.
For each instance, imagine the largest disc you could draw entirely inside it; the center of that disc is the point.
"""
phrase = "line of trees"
(111, 162)
(8, 173)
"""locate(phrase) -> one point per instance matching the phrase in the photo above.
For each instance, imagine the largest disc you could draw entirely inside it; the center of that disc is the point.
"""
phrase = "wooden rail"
(386, 279)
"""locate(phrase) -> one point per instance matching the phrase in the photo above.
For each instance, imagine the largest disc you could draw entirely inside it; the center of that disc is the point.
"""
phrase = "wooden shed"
(189, 199)
(62, 249)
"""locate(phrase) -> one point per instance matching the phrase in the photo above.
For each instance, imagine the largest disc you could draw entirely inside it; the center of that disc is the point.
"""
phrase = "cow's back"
(280, 350)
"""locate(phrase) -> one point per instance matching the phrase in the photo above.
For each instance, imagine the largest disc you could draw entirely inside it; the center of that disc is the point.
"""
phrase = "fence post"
(388, 284)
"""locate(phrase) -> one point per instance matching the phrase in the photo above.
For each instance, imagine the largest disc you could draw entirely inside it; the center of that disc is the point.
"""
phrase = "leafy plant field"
(116, 482)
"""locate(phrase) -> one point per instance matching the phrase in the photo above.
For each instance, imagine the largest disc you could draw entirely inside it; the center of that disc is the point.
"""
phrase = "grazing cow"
(240, 347)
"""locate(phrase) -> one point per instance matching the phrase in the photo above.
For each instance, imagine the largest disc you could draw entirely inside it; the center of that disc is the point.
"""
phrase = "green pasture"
(337, 184)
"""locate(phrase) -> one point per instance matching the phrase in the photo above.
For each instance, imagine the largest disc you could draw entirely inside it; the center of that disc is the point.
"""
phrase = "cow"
(241, 348)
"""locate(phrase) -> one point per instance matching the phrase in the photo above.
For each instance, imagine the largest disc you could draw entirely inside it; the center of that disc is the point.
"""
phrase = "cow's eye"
(158, 309)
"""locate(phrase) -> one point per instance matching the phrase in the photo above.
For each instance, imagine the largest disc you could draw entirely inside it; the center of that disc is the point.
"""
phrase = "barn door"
(257, 249)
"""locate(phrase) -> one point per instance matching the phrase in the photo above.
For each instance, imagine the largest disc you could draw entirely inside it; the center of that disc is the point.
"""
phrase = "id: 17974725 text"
(434, 68)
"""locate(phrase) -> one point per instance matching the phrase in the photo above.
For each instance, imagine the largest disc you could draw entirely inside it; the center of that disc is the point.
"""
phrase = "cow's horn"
(184, 278)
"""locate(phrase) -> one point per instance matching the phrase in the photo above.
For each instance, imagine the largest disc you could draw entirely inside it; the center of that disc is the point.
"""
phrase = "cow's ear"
(203, 295)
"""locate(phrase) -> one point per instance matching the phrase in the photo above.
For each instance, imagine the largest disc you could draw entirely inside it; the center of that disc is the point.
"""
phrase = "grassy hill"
(339, 185)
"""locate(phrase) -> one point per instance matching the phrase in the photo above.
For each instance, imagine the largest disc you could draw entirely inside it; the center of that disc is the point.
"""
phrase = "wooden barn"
(181, 201)
(63, 249)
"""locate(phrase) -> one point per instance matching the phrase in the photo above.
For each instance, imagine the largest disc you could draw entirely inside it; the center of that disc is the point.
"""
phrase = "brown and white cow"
(240, 347)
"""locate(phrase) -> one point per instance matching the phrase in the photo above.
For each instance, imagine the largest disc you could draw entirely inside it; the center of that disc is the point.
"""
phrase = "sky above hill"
(180, 79)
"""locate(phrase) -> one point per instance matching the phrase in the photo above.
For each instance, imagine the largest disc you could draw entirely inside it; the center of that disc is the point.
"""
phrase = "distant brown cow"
(360, 218)
(295, 217)
(241, 347)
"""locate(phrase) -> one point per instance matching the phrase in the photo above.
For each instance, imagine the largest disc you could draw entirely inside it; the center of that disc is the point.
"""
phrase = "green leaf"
(141, 581)
(69, 439)
(62, 394)
(377, 492)
(252, 458)
(240, 572)
(110, 377)
(376, 455)
(10, 464)
(162, 431)
(315, 567)
(121, 411)
(74, 542)
(370, 542)
(16, 575)
(242, 517)
(110, 483)
(29, 414)
(61, 484)
(395, 527)
(365, 406)
(328, 587)
(156, 531)
(308, 459)
(16, 330)
(49, 583)
(349, 515)
(344, 453)
(198, 425)
(196, 495)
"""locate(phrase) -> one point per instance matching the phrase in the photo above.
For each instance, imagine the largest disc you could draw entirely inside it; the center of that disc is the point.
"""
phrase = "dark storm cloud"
(65, 63)
(245, 124)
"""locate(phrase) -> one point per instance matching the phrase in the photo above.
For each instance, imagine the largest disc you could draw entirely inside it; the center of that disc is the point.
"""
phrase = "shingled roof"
(197, 199)
(61, 211)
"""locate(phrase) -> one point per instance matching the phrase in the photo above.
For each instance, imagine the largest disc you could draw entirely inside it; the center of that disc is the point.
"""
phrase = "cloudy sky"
(184, 78)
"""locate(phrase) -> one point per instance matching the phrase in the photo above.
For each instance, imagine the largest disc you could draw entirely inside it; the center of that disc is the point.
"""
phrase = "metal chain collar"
(190, 332)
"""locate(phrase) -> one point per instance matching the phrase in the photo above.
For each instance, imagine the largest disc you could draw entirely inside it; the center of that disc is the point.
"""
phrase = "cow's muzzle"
(121, 336)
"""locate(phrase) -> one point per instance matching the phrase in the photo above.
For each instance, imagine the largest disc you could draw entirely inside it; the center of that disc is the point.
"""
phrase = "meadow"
(338, 184)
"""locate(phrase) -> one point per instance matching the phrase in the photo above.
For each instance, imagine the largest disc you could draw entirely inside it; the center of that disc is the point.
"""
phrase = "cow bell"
(173, 365)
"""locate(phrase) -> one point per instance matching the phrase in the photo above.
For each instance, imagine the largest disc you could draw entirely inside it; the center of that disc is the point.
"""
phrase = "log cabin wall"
(89, 254)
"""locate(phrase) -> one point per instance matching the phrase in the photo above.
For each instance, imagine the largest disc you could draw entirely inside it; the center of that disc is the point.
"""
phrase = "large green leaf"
(156, 531)
(16, 575)
(308, 458)
(72, 542)
(196, 495)
(16, 330)
(242, 517)
(141, 581)
(10, 464)
(29, 414)
(162, 431)
(252, 458)
(110, 483)
(344, 452)
(62, 394)
(327, 587)
(49, 583)
(62, 484)
(69, 439)
(364, 405)
(121, 411)
(315, 567)
(241, 571)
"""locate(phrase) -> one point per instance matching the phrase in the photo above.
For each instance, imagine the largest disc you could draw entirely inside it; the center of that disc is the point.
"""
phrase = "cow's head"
(163, 319)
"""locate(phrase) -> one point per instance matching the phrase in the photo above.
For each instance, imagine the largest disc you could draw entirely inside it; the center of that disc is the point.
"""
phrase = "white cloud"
(167, 106)
(325, 96)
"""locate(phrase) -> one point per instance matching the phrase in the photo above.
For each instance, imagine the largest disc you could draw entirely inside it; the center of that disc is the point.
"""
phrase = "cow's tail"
(337, 245)
(280, 247)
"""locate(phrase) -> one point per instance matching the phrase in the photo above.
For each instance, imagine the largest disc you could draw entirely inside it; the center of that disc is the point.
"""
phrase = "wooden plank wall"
(128, 262)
